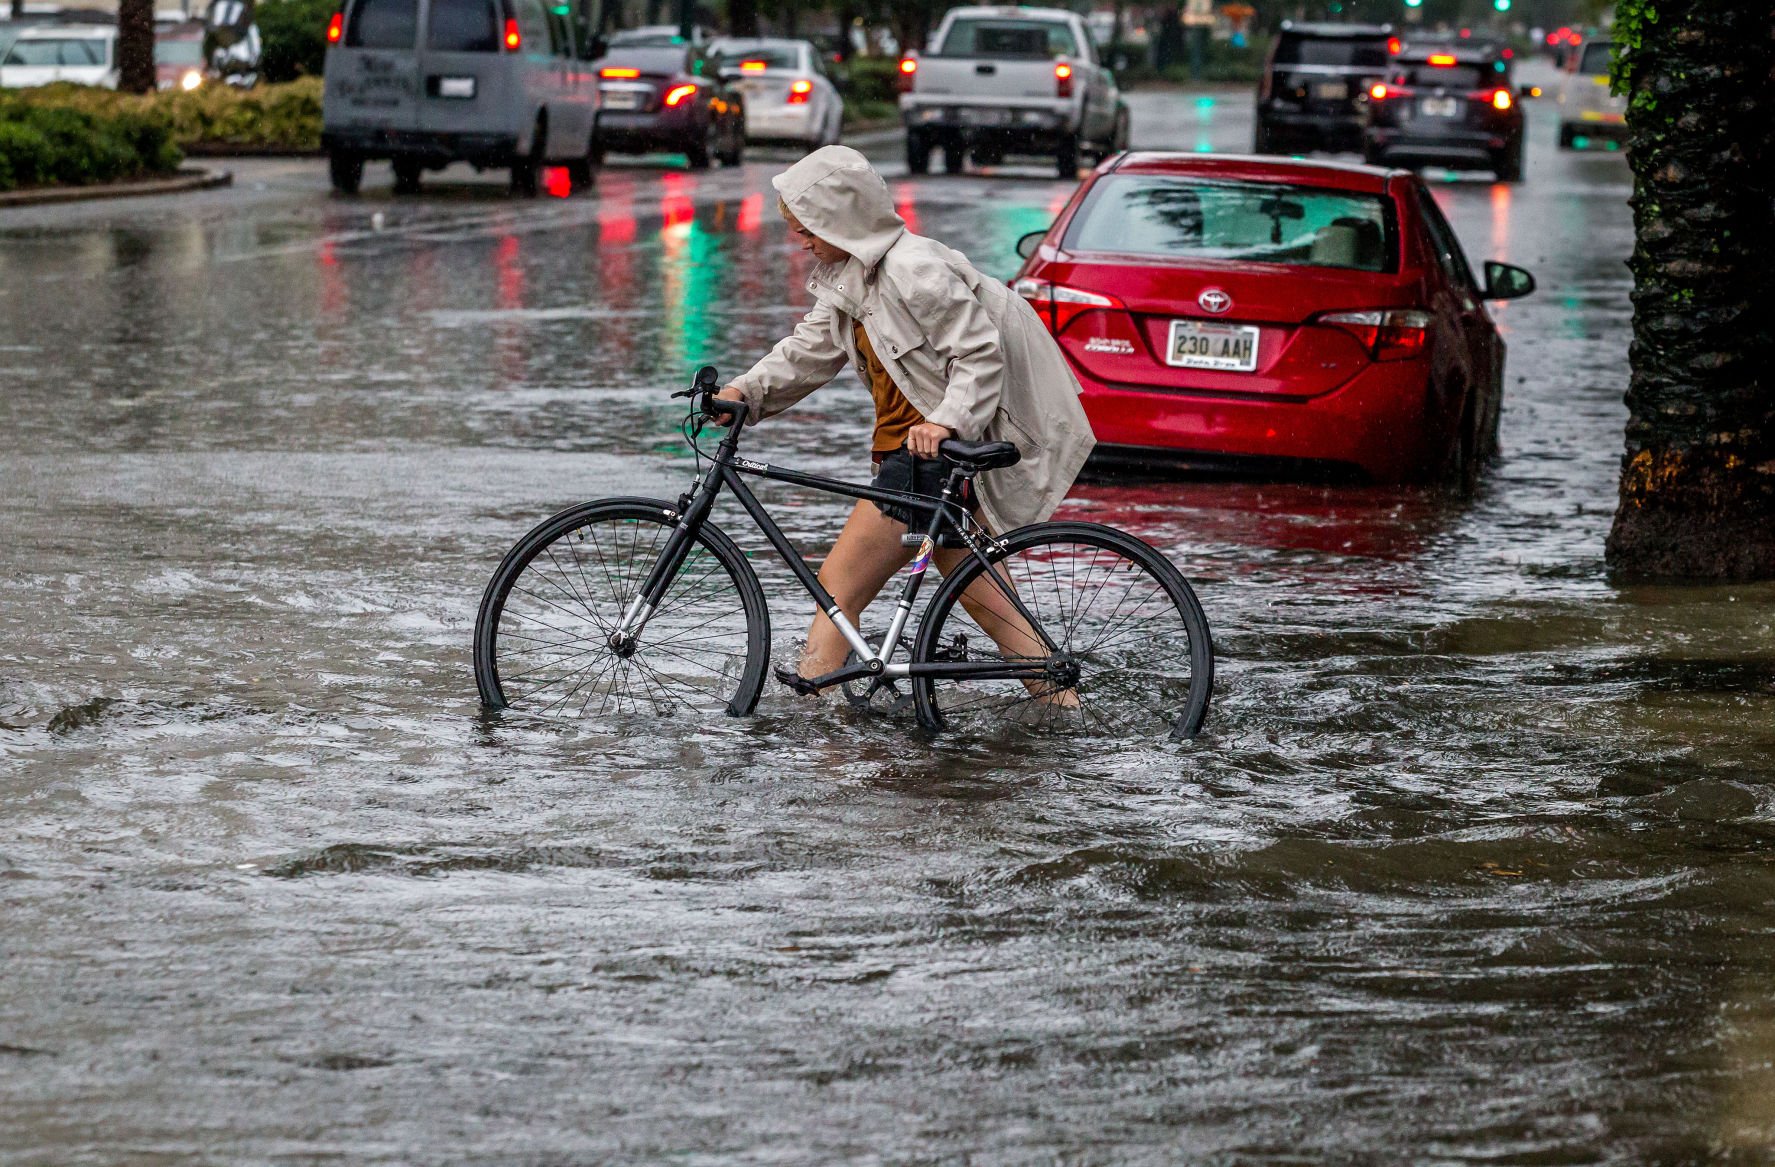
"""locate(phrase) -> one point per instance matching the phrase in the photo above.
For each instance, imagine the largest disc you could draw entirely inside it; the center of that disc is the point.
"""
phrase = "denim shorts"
(899, 470)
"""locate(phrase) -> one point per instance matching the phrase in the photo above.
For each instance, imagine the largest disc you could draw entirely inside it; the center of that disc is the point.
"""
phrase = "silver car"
(787, 94)
(495, 83)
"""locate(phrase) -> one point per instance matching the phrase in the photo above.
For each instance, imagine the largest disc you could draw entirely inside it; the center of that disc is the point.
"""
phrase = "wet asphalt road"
(1472, 866)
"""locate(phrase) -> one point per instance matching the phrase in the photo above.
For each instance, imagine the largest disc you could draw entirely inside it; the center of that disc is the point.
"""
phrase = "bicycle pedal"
(797, 682)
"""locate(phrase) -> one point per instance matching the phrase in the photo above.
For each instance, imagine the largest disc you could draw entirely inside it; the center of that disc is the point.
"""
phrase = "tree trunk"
(742, 17)
(1698, 479)
(135, 45)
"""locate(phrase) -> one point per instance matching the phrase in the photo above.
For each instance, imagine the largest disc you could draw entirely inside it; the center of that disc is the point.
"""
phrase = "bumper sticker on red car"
(1109, 344)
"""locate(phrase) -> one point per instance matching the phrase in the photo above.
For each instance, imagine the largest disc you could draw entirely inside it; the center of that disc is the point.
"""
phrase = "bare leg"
(866, 556)
(1009, 630)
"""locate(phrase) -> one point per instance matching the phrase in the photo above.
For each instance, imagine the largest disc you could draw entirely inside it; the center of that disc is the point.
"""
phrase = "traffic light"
(1501, 5)
(1414, 3)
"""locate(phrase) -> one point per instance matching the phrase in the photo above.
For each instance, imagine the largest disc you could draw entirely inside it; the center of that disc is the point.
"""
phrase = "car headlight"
(191, 80)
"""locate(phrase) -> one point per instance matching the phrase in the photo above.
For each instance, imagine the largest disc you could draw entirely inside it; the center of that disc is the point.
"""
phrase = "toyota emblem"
(1216, 301)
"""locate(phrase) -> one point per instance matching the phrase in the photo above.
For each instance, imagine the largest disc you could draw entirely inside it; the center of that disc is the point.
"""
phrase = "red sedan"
(1266, 315)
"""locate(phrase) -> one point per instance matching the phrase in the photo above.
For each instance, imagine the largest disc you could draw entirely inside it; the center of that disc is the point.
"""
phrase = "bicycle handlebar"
(703, 389)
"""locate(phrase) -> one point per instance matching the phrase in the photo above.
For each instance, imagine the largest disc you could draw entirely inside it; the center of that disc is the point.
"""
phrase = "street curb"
(190, 178)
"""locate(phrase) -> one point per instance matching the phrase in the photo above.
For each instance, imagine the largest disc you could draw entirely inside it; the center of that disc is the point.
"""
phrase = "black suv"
(1315, 85)
(1452, 106)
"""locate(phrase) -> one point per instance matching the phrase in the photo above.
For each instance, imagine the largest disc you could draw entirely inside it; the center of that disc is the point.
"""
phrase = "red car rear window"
(1192, 218)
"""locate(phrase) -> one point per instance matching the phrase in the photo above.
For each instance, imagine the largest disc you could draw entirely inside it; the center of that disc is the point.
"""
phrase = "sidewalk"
(190, 178)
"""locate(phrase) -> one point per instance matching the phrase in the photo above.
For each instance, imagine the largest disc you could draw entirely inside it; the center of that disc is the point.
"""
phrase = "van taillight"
(512, 39)
(1062, 79)
(800, 91)
(1058, 304)
(336, 28)
(1389, 334)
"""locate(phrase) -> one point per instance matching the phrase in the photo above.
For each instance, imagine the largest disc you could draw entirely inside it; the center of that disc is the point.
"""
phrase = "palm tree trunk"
(135, 45)
(1698, 479)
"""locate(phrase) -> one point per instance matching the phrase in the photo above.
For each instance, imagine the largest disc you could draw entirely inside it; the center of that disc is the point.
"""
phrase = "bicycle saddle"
(979, 455)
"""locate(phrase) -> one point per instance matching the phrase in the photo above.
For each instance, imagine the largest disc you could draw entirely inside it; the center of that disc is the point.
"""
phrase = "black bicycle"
(627, 605)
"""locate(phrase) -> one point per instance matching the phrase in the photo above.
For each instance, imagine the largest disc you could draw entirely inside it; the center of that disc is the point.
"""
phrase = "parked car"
(495, 83)
(1002, 81)
(785, 90)
(1590, 112)
(1453, 106)
(43, 54)
(232, 46)
(668, 99)
(1248, 313)
(178, 56)
(1314, 90)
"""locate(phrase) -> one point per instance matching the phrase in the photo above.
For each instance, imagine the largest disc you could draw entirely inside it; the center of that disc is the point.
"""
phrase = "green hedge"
(868, 81)
(47, 144)
(267, 117)
(294, 34)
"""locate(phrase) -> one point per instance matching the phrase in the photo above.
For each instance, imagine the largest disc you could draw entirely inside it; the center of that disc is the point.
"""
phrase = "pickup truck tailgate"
(969, 80)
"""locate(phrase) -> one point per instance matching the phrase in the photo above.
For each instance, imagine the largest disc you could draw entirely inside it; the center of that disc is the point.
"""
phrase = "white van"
(83, 54)
(495, 83)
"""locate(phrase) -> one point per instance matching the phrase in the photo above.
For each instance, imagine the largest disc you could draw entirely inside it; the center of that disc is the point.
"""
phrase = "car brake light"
(908, 74)
(1389, 334)
(512, 39)
(618, 72)
(1394, 45)
(1442, 60)
(1379, 92)
(1062, 79)
(799, 91)
(751, 66)
(336, 28)
(678, 93)
(1501, 99)
(1059, 304)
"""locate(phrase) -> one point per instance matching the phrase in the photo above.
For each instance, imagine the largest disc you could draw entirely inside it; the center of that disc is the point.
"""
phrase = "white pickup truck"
(1004, 80)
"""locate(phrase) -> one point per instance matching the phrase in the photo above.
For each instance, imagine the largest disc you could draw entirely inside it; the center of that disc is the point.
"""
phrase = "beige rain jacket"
(966, 351)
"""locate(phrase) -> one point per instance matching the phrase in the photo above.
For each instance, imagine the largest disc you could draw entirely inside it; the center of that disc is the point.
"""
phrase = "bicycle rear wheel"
(1133, 651)
(542, 637)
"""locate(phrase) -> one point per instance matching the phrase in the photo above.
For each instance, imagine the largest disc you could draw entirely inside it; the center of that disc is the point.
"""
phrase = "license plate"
(1439, 107)
(456, 86)
(621, 99)
(1331, 90)
(985, 117)
(1230, 348)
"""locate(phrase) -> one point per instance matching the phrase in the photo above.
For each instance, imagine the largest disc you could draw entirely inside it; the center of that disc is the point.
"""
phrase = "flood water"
(1473, 864)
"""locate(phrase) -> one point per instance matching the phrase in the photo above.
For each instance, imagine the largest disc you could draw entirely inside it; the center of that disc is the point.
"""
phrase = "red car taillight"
(907, 76)
(336, 28)
(677, 95)
(513, 41)
(1058, 304)
(1389, 334)
(1501, 99)
(1062, 79)
(800, 91)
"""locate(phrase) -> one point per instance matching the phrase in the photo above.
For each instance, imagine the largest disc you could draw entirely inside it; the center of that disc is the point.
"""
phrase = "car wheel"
(582, 173)
(1509, 164)
(918, 152)
(346, 171)
(1066, 159)
(1467, 458)
(527, 171)
(698, 153)
(406, 176)
(735, 154)
(954, 158)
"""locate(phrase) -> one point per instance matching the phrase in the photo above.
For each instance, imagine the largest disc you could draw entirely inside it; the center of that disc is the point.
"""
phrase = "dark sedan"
(668, 99)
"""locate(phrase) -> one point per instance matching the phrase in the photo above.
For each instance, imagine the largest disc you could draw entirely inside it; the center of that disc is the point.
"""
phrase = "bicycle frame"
(726, 471)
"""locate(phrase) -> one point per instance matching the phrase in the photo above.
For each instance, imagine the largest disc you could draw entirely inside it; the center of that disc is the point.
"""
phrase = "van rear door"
(467, 85)
(374, 82)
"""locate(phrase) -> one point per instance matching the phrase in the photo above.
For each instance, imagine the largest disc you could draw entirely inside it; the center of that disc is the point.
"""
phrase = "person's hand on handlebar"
(730, 393)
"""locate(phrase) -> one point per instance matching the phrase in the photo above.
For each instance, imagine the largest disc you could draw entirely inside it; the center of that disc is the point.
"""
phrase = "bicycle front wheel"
(542, 641)
(1130, 652)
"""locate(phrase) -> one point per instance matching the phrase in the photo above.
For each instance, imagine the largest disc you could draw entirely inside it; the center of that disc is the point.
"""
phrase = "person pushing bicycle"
(945, 350)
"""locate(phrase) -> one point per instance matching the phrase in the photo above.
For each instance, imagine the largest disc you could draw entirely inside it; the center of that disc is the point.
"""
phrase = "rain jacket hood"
(966, 352)
(837, 195)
